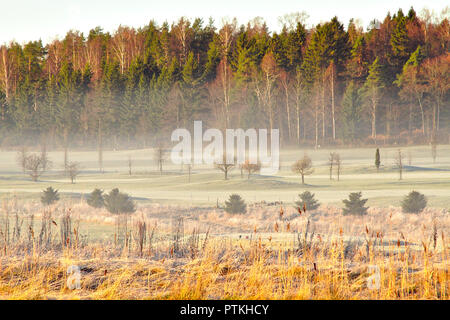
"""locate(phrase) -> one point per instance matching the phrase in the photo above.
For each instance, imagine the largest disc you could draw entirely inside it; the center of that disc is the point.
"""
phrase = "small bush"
(307, 199)
(354, 204)
(118, 202)
(95, 199)
(49, 196)
(414, 202)
(235, 204)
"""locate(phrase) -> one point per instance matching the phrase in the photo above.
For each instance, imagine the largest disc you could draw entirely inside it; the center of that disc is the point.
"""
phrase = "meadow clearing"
(180, 244)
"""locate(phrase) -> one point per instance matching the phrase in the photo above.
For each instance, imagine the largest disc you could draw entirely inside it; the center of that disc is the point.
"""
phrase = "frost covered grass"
(268, 253)
(207, 185)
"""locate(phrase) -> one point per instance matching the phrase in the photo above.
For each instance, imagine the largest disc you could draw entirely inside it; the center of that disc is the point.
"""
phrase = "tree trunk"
(438, 115)
(316, 121)
(65, 148)
(100, 147)
(388, 120)
(331, 170)
(286, 91)
(332, 105)
(6, 72)
(317, 128)
(298, 123)
(226, 93)
(423, 116)
(410, 119)
(374, 119)
(323, 112)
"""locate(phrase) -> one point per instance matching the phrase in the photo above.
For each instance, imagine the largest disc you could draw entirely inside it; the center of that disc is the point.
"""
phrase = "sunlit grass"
(316, 255)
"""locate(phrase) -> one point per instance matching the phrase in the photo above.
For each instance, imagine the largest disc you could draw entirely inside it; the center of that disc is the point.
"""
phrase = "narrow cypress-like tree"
(377, 159)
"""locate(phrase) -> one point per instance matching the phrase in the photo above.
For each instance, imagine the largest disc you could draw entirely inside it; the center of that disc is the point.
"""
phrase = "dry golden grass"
(308, 256)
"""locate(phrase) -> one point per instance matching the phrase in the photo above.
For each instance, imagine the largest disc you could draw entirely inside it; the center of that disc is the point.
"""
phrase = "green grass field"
(207, 184)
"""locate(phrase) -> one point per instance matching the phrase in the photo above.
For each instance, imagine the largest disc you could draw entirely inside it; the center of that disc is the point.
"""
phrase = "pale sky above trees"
(25, 20)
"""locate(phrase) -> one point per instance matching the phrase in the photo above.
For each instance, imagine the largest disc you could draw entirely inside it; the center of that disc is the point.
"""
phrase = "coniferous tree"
(308, 201)
(412, 86)
(351, 112)
(377, 159)
(138, 84)
(354, 205)
(235, 204)
(49, 196)
(95, 199)
(399, 42)
(414, 202)
(358, 63)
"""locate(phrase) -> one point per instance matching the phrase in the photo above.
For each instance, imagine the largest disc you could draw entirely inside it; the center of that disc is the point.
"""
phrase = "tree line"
(327, 85)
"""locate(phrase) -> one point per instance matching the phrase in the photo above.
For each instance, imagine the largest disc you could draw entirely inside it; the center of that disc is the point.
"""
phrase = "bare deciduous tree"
(183, 33)
(250, 168)
(120, 46)
(436, 75)
(130, 165)
(6, 70)
(338, 162)
(303, 167)
(160, 155)
(331, 161)
(225, 167)
(189, 167)
(331, 75)
(224, 74)
(46, 162)
(399, 163)
(335, 161)
(290, 21)
(100, 146)
(270, 74)
(33, 166)
(433, 147)
(22, 158)
(72, 169)
(285, 81)
(242, 170)
(409, 156)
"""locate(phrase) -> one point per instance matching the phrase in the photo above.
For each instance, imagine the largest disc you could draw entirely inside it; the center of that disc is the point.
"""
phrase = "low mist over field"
(198, 160)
